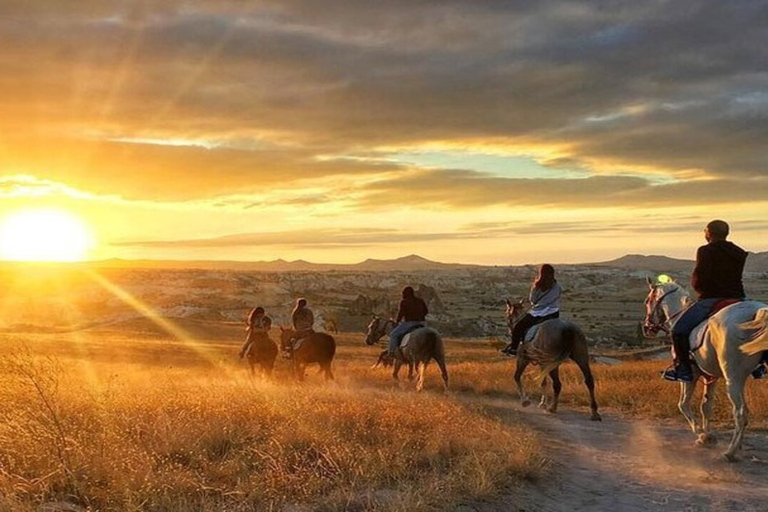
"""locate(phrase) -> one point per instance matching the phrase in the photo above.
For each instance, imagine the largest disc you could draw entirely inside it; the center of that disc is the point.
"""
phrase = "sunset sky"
(497, 132)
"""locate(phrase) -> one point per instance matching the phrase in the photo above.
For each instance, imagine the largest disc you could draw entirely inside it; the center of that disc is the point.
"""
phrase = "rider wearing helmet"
(716, 276)
(258, 323)
(545, 300)
(412, 312)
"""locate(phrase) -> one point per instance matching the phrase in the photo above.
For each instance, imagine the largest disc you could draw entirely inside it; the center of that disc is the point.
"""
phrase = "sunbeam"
(147, 312)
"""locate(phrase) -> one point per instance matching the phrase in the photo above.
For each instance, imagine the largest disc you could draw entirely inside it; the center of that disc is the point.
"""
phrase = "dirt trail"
(631, 465)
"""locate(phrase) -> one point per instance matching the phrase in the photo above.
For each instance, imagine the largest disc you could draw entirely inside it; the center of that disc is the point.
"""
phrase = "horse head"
(514, 311)
(663, 304)
(376, 329)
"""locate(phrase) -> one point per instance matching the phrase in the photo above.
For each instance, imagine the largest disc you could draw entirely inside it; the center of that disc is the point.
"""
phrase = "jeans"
(691, 317)
(396, 336)
(525, 323)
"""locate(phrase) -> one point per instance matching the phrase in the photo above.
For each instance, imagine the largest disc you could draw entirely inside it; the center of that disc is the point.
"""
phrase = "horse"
(317, 347)
(424, 344)
(262, 352)
(555, 341)
(734, 340)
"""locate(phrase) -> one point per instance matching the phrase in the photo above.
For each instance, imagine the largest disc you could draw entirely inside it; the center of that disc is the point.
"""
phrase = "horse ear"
(650, 282)
(509, 303)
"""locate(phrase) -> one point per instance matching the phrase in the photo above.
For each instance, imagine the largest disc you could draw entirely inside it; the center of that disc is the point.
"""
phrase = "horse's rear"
(424, 345)
(262, 353)
(556, 341)
(317, 348)
(733, 346)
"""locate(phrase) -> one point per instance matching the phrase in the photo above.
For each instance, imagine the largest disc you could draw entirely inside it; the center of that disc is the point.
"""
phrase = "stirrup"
(677, 374)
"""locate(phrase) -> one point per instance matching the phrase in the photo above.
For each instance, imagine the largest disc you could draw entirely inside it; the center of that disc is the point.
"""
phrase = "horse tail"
(548, 362)
(756, 332)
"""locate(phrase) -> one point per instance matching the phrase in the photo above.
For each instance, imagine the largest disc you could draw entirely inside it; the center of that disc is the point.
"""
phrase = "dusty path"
(622, 464)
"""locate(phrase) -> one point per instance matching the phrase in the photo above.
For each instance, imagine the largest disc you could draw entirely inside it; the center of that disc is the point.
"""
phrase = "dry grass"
(117, 422)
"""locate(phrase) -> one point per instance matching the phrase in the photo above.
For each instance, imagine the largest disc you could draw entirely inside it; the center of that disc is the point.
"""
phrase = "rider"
(258, 322)
(716, 276)
(303, 319)
(545, 300)
(412, 312)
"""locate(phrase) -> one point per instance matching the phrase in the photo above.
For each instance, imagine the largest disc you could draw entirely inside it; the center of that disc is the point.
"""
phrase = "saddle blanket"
(531, 333)
(696, 338)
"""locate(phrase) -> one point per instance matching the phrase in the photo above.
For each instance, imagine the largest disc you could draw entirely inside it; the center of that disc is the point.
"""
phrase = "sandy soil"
(622, 464)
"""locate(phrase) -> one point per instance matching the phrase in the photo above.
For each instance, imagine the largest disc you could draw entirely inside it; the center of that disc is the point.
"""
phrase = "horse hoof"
(552, 410)
(706, 440)
(542, 405)
(596, 417)
(526, 403)
(730, 457)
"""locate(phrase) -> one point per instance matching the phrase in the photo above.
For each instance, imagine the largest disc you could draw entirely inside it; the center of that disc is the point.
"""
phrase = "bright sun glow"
(44, 235)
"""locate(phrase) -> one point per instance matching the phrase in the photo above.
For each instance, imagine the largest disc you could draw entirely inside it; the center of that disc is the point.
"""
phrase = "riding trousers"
(397, 334)
(525, 323)
(691, 317)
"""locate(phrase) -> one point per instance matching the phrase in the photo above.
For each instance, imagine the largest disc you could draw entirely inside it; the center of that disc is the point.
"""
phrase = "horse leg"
(522, 363)
(410, 372)
(396, 369)
(422, 366)
(443, 370)
(735, 389)
(557, 386)
(707, 401)
(328, 372)
(684, 404)
(583, 363)
(543, 401)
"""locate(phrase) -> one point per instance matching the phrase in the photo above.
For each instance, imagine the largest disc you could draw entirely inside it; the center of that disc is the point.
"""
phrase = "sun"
(44, 235)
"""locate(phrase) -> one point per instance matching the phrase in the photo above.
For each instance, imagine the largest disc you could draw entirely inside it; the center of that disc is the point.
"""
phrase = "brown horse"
(555, 341)
(262, 352)
(424, 345)
(318, 347)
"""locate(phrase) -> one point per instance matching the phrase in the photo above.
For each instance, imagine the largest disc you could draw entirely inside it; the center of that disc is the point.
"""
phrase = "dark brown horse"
(318, 348)
(262, 352)
(555, 341)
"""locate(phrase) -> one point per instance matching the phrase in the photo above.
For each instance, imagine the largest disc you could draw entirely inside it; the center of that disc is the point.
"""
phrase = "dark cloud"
(679, 87)
(458, 188)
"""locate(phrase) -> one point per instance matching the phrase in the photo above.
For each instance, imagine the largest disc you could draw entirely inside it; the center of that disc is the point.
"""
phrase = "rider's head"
(256, 312)
(716, 230)
(408, 292)
(546, 277)
(301, 303)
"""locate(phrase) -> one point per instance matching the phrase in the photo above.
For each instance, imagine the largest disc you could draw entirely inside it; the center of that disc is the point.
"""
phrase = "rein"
(662, 326)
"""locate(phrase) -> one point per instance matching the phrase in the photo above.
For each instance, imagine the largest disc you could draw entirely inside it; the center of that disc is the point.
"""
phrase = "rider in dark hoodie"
(717, 276)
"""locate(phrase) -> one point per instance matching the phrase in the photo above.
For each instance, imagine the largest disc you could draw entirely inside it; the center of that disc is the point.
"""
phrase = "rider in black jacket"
(717, 276)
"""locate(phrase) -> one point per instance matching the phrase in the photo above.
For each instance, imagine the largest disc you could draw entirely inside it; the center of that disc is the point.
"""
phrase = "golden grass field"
(129, 418)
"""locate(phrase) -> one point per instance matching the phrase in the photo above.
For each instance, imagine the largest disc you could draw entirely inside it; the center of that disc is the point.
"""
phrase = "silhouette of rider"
(545, 299)
(258, 323)
(716, 276)
(412, 313)
(303, 319)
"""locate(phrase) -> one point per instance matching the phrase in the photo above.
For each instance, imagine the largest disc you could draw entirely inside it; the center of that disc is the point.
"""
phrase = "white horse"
(732, 347)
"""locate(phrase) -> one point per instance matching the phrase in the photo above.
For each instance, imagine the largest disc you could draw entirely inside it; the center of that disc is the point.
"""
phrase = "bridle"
(378, 330)
(652, 327)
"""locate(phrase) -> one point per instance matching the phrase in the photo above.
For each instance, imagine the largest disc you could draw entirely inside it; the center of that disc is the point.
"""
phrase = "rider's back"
(718, 272)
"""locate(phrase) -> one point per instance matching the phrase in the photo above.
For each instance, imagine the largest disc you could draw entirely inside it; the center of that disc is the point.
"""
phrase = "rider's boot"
(681, 371)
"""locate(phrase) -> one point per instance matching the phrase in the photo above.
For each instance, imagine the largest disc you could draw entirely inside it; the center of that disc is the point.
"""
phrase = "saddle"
(531, 333)
(407, 336)
(696, 338)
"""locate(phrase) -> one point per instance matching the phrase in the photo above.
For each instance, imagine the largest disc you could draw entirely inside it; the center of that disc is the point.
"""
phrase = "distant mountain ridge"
(405, 263)
(756, 262)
